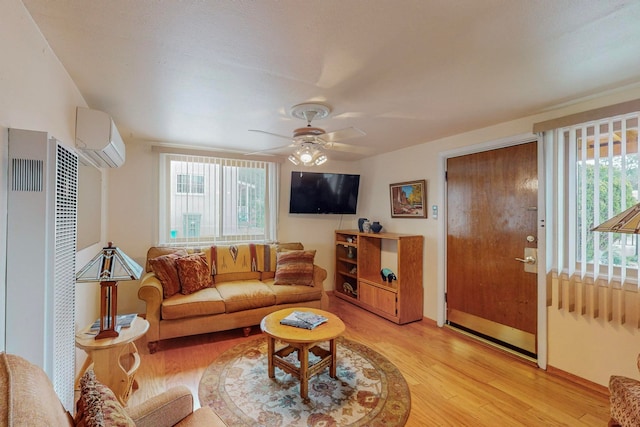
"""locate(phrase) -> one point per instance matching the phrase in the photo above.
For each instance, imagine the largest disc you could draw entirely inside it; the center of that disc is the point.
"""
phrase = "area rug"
(369, 391)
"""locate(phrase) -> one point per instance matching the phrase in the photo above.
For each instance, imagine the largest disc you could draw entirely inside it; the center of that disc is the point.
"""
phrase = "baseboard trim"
(578, 380)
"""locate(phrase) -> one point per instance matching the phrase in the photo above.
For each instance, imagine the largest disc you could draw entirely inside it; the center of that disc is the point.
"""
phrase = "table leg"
(85, 366)
(332, 350)
(304, 370)
(270, 351)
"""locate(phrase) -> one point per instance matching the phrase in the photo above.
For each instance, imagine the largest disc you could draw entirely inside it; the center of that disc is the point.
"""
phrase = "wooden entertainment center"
(359, 260)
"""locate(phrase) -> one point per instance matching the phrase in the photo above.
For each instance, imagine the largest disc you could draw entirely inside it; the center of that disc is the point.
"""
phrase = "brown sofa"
(244, 283)
(28, 399)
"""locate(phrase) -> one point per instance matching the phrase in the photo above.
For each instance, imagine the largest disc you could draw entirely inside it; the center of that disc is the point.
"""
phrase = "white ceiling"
(202, 73)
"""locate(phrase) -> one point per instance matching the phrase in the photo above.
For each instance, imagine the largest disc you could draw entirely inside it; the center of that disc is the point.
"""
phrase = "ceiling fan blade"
(268, 150)
(348, 148)
(270, 133)
(342, 134)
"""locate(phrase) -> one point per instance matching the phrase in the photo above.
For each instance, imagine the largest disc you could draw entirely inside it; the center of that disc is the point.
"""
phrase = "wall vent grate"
(27, 175)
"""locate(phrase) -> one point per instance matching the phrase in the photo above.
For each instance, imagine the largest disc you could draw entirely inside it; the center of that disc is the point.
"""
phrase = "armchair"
(29, 399)
(625, 400)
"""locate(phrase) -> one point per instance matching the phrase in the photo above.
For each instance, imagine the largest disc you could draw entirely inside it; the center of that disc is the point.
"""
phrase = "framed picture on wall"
(409, 199)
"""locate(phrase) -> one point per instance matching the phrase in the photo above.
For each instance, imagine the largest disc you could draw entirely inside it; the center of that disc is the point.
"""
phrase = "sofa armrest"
(165, 409)
(150, 291)
(319, 275)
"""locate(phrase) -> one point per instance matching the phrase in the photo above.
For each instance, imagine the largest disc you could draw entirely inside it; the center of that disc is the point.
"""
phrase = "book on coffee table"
(303, 319)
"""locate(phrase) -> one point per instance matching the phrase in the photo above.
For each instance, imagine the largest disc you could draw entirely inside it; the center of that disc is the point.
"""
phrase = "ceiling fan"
(309, 142)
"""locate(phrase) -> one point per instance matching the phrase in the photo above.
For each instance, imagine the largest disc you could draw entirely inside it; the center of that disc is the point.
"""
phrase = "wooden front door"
(491, 221)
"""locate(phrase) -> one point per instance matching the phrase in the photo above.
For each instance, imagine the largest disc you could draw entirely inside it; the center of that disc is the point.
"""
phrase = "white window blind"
(211, 199)
(596, 176)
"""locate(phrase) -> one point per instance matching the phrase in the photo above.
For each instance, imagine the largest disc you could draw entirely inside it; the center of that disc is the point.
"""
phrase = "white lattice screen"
(64, 274)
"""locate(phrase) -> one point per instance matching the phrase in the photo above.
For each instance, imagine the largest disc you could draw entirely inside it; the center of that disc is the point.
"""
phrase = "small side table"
(304, 341)
(115, 360)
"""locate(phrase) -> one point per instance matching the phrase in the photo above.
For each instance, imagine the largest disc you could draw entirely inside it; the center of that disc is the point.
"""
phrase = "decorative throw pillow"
(98, 406)
(166, 270)
(295, 268)
(194, 273)
(156, 251)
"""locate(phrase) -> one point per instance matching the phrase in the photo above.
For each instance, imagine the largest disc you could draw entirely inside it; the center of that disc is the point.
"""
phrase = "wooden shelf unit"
(358, 279)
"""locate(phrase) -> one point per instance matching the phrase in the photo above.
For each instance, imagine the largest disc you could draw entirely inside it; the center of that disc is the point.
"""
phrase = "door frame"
(442, 232)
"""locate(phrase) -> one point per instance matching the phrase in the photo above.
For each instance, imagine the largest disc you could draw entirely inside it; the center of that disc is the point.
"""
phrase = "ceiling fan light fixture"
(308, 155)
(321, 159)
(293, 159)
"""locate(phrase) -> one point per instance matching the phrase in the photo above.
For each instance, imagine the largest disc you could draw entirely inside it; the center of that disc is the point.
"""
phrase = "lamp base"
(108, 333)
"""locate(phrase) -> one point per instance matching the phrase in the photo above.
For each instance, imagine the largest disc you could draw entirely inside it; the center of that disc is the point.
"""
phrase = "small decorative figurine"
(387, 275)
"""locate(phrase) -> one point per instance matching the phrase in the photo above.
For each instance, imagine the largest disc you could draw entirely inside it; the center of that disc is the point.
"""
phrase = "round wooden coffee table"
(304, 341)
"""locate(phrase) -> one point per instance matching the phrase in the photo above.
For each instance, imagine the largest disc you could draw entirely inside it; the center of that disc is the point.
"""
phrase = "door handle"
(530, 260)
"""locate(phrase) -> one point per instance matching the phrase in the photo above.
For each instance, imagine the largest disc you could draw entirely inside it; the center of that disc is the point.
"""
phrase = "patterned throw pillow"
(98, 406)
(295, 268)
(194, 273)
(166, 270)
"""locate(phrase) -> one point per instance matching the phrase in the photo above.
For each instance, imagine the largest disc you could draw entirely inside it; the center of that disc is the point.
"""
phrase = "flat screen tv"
(323, 193)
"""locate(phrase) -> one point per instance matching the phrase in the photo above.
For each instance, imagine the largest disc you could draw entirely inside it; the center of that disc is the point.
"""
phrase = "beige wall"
(36, 93)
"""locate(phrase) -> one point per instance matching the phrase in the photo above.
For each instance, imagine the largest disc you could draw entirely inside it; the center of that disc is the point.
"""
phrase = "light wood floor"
(454, 380)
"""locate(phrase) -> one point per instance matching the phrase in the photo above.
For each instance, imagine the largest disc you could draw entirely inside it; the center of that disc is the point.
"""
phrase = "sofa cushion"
(289, 246)
(166, 270)
(98, 406)
(29, 397)
(245, 295)
(267, 257)
(233, 258)
(194, 273)
(156, 251)
(201, 303)
(295, 268)
(294, 293)
(231, 277)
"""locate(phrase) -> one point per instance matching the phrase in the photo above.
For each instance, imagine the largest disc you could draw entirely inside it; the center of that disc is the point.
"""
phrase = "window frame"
(221, 189)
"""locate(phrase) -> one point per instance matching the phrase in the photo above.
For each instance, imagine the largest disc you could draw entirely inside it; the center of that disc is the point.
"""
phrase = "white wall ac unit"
(98, 139)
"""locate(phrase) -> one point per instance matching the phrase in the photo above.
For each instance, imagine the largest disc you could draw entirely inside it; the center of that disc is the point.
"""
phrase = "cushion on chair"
(166, 270)
(292, 294)
(156, 251)
(98, 406)
(625, 400)
(245, 295)
(295, 268)
(202, 303)
(194, 273)
(241, 258)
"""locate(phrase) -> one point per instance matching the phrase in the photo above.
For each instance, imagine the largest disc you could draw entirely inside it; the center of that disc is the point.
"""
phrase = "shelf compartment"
(400, 301)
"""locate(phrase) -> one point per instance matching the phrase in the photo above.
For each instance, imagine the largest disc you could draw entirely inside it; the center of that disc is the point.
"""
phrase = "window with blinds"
(598, 162)
(211, 199)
